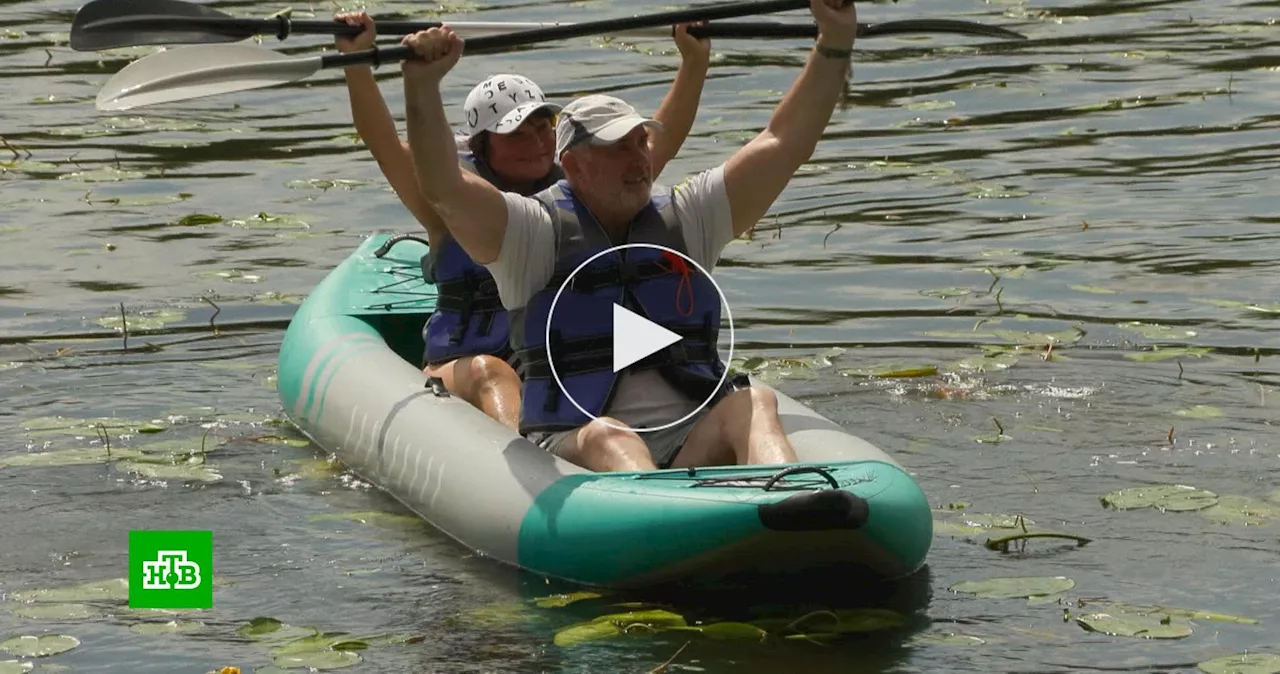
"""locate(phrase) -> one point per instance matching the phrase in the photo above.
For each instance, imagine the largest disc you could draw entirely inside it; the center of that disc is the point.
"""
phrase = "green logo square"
(171, 569)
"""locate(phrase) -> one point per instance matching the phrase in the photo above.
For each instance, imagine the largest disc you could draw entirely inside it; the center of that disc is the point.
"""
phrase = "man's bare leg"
(743, 428)
(602, 448)
(487, 382)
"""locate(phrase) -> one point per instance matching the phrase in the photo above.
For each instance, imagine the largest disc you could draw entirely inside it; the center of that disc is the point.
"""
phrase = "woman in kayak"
(510, 142)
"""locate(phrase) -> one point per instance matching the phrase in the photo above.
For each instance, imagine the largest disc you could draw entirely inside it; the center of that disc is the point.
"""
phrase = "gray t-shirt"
(527, 262)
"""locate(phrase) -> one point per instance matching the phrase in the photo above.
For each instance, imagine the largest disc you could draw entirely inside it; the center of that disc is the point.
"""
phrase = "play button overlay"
(635, 337)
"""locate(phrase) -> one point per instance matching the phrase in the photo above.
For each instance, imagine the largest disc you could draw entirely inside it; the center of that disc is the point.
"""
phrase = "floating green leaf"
(324, 184)
(190, 471)
(931, 105)
(269, 629)
(1040, 338)
(584, 632)
(1171, 611)
(986, 362)
(68, 457)
(106, 174)
(1012, 588)
(558, 600)
(265, 221)
(1165, 353)
(1200, 412)
(1240, 510)
(39, 646)
(725, 631)
(945, 293)
(1244, 663)
(1133, 625)
(141, 321)
(282, 440)
(171, 627)
(230, 275)
(15, 667)
(1173, 497)
(318, 660)
(892, 371)
(115, 589)
(56, 611)
(1099, 290)
(196, 219)
(1155, 330)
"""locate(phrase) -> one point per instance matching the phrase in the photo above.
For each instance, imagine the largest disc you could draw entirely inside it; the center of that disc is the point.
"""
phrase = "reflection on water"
(1036, 272)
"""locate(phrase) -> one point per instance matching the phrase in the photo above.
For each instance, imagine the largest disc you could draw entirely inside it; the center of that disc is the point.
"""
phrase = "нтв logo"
(171, 569)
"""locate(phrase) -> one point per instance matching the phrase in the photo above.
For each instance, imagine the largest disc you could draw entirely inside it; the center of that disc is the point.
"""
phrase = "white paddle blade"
(198, 71)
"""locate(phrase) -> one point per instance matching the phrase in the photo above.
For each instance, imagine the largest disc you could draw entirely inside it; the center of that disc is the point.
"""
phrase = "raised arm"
(680, 106)
(756, 174)
(473, 210)
(377, 128)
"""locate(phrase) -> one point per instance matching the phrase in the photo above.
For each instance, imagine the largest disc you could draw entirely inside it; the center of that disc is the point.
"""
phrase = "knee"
(604, 432)
(755, 398)
(490, 370)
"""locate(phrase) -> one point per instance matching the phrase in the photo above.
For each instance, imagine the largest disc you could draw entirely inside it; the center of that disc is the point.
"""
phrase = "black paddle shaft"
(497, 43)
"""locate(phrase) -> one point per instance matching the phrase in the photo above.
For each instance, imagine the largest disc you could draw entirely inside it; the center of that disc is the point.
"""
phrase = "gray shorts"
(663, 445)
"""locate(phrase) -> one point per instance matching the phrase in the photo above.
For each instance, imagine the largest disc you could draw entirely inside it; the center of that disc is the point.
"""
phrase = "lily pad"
(171, 627)
(1133, 625)
(726, 631)
(272, 630)
(1158, 353)
(1039, 338)
(986, 363)
(196, 219)
(115, 589)
(1172, 611)
(186, 471)
(264, 220)
(1164, 497)
(892, 371)
(584, 632)
(319, 660)
(145, 320)
(81, 456)
(39, 647)
(1012, 588)
(945, 293)
(230, 276)
(15, 667)
(100, 175)
(1244, 663)
(558, 600)
(1098, 290)
(282, 440)
(1240, 510)
(56, 611)
(1155, 330)
(1200, 412)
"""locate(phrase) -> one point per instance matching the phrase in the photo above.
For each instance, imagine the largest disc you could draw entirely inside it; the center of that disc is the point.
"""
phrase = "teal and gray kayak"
(350, 378)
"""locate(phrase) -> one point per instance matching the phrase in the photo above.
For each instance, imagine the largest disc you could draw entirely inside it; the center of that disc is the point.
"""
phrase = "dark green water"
(1111, 183)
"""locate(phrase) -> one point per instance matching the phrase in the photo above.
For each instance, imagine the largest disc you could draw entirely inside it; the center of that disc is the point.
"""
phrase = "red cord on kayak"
(680, 266)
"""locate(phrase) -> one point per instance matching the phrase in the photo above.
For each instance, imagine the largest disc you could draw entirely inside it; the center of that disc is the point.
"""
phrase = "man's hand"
(837, 22)
(692, 49)
(362, 40)
(437, 49)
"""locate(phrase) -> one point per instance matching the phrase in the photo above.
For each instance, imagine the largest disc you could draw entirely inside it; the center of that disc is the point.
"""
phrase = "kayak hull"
(349, 377)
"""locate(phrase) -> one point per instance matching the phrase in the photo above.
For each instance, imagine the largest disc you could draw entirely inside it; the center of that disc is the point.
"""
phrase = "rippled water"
(1109, 185)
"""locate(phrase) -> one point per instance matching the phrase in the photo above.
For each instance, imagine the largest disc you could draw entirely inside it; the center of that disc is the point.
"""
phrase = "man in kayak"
(509, 142)
(532, 244)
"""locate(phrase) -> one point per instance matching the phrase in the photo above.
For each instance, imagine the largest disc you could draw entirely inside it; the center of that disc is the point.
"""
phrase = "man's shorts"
(663, 445)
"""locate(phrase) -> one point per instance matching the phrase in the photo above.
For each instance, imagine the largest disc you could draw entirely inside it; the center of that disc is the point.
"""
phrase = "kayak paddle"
(108, 24)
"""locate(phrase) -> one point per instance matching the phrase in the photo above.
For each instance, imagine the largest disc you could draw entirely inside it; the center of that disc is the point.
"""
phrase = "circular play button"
(635, 339)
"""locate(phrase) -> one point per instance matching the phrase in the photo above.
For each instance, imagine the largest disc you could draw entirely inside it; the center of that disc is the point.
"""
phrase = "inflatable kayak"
(350, 378)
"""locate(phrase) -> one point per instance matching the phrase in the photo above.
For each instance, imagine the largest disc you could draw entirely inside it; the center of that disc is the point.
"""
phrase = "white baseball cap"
(501, 103)
(599, 118)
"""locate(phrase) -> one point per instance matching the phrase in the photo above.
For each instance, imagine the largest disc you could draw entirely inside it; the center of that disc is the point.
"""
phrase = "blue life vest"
(469, 319)
(661, 286)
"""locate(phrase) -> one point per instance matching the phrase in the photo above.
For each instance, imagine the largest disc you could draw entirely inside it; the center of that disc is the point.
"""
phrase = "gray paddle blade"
(108, 24)
(184, 73)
